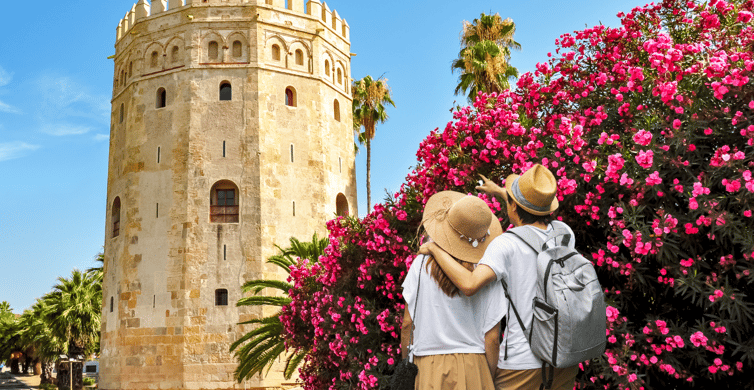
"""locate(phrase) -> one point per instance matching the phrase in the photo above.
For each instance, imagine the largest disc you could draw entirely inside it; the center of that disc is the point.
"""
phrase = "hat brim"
(508, 187)
(446, 237)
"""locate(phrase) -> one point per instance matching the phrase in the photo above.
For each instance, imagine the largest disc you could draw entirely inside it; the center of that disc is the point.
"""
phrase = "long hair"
(437, 273)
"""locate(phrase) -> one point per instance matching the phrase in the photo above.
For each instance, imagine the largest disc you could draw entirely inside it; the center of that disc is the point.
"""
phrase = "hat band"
(473, 241)
(524, 202)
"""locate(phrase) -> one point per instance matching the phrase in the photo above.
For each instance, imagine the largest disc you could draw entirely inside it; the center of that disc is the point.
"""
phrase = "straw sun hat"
(534, 191)
(461, 225)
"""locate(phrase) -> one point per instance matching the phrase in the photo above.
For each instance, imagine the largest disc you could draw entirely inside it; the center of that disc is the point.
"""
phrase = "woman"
(455, 337)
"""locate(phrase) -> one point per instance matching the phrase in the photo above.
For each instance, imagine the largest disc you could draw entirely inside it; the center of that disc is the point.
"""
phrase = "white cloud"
(11, 150)
(5, 77)
(101, 137)
(68, 108)
(62, 129)
(8, 109)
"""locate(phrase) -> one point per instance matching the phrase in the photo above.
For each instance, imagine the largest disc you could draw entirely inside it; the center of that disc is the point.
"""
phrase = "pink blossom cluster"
(648, 130)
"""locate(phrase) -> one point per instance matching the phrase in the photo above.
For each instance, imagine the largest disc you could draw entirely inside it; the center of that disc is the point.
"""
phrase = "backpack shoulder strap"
(560, 229)
(529, 237)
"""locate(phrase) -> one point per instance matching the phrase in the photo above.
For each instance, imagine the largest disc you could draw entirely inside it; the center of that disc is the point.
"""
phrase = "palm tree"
(260, 347)
(73, 313)
(483, 61)
(9, 336)
(37, 336)
(369, 100)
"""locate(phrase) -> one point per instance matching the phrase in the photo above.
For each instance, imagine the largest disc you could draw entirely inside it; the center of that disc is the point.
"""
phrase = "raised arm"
(489, 187)
(466, 281)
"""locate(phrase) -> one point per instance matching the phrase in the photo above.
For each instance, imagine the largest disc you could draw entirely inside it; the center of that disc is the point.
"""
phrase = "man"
(530, 201)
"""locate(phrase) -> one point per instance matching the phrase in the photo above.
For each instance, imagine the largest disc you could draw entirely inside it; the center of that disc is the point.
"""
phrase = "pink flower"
(644, 158)
(643, 137)
(677, 124)
(744, 16)
(653, 179)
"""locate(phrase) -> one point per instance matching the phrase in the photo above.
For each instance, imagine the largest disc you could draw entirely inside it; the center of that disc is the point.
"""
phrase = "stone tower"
(231, 132)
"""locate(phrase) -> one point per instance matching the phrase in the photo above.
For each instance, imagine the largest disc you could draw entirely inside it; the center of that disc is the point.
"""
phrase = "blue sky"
(56, 85)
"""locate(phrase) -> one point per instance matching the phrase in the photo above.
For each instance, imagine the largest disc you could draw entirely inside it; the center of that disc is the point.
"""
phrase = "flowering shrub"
(648, 130)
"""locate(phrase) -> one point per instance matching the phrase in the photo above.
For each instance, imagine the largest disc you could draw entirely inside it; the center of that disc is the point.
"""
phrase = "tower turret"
(231, 131)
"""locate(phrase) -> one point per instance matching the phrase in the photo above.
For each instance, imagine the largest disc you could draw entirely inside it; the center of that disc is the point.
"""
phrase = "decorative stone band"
(520, 197)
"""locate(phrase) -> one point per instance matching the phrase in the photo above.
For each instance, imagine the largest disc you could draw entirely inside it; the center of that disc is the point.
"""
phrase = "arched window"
(122, 78)
(115, 213)
(122, 112)
(276, 52)
(290, 97)
(212, 50)
(224, 202)
(221, 297)
(226, 91)
(299, 57)
(341, 205)
(175, 54)
(161, 98)
(340, 76)
(131, 69)
(336, 109)
(154, 59)
(237, 49)
(327, 67)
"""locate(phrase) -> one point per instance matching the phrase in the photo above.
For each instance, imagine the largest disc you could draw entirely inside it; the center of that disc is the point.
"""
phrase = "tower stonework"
(231, 132)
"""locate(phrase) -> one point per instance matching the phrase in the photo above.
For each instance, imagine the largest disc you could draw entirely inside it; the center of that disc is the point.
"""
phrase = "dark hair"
(528, 218)
(438, 274)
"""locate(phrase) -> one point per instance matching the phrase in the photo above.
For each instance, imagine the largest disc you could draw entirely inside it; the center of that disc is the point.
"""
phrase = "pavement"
(10, 381)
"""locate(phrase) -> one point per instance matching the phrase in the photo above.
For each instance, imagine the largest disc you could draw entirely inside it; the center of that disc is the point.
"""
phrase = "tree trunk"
(46, 376)
(14, 368)
(369, 175)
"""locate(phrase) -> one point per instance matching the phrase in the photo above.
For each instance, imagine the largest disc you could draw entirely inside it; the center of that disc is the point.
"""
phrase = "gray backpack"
(569, 319)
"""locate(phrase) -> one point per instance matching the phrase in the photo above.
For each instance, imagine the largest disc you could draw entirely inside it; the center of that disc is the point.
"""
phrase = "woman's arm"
(405, 332)
(492, 347)
(466, 281)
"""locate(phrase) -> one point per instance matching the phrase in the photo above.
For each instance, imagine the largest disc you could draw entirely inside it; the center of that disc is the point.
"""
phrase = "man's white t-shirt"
(511, 259)
(446, 325)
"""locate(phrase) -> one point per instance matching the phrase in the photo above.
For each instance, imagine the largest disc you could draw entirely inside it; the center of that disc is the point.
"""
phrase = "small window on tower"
(226, 91)
(154, 59)
(224, 202)
(221, 297)
(340, 77)
(276, 52)
(161, 98)
(336, 110)
(175, 54)
(115, 220)
(237, 49)
(122, 112)
(327, 68)
(299, 57)
(212, 50)
(290, 97)
(111, 304)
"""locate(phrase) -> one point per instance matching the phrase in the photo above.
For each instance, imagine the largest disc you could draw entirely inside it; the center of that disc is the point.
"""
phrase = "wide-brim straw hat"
(461, 225)
(534, 191)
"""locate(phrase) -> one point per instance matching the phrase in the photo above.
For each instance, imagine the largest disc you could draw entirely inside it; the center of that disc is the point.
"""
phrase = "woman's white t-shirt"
(511, 259)
(445, 325)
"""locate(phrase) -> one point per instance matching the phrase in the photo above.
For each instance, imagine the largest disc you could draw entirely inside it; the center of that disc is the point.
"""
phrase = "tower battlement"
(313, 8)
